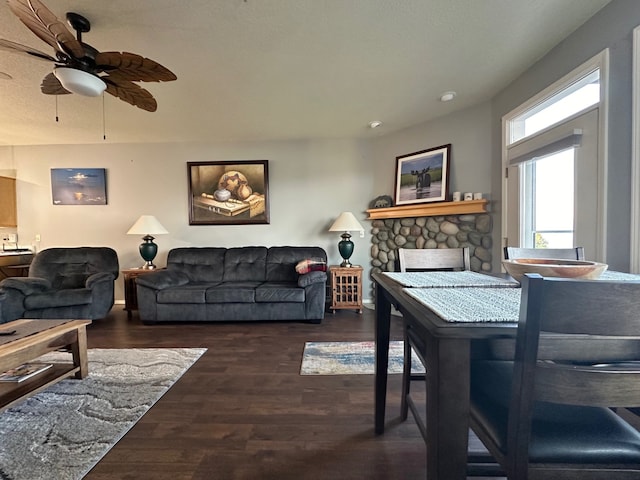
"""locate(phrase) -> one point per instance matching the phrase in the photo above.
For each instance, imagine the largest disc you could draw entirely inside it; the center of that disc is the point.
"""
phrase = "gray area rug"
(351, 358)
(62, 432)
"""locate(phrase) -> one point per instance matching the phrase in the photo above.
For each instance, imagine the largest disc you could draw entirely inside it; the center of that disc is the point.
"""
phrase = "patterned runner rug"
(62, 432)
(351, 358)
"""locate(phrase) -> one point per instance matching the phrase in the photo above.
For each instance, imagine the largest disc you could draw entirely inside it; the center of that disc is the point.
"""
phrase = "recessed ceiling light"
(447, 96)
(375, 124)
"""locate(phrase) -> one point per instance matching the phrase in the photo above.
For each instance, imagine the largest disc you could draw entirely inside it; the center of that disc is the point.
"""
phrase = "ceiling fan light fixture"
(80, 82)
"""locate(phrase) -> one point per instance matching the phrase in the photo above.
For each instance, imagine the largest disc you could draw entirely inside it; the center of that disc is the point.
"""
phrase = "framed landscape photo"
(78, 186)
(423, 176)
(228, 192)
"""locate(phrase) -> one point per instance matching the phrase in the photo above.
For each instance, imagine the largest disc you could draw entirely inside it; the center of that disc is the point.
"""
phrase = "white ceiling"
(284, 69)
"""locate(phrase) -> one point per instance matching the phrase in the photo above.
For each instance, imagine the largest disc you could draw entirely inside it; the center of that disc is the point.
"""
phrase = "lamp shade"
(346, 222)
(77, 81)
(147, 225)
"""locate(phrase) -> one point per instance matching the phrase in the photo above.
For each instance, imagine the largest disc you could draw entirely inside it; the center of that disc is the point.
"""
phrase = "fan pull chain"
(56, 108)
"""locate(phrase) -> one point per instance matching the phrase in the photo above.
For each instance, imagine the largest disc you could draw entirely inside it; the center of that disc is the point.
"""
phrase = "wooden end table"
(34, 338)
(130, 293)
(346, 288)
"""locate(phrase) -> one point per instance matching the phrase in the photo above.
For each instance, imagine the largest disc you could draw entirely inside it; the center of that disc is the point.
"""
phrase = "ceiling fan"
(80, 68)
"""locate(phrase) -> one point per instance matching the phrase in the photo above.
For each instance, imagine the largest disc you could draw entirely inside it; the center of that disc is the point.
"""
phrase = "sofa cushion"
(279, 292)
(58, 298)
(245, 264)
(190, 293)
(233, 292)
(198, 264)
(311, 278)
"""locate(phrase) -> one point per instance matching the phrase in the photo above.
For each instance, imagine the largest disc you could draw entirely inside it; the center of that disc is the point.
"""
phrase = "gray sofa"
(74, 282)
(205, 284)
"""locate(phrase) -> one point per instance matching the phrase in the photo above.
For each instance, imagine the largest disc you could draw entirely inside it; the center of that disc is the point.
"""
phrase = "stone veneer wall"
(470, 230)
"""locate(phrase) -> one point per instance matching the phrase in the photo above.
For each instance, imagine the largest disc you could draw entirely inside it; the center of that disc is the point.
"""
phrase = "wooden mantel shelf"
(429, 209)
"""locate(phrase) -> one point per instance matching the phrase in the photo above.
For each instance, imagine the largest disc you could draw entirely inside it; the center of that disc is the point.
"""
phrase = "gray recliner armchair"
(73, 282)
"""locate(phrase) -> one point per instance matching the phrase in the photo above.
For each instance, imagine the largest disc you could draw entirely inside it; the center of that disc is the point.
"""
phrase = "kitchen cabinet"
(8, 209)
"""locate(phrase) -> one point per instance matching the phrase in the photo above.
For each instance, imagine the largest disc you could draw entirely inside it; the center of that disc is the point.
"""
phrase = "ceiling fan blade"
(132, 67)
(131, 93)
(51, 86)
(14, 47)
(45, 25)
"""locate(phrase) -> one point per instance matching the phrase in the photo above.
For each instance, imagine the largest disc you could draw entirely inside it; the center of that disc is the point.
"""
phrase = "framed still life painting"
(423, 176)
(228, 192)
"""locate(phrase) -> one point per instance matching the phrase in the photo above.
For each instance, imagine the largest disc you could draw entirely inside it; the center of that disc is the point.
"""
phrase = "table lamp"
(147, 225)
(346, 223)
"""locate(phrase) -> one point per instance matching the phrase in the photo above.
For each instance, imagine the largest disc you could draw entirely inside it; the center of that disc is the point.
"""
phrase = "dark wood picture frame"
(423, 176)
(234, 192)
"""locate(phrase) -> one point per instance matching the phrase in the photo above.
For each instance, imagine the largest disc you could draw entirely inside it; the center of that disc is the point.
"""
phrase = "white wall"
(310, 184)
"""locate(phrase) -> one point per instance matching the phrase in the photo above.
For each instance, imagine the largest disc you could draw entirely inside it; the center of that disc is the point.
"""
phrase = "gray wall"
(611, 28)
(310, 184)
(469, 133)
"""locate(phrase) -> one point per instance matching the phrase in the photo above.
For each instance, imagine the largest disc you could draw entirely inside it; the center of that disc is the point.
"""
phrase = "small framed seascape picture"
(228, 192)
(423, 176)
(79, 186)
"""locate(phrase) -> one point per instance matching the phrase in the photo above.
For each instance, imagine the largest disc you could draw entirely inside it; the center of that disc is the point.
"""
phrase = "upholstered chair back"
(70, 267)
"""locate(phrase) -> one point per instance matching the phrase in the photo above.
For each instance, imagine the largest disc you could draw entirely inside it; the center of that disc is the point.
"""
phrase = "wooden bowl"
(553, 267)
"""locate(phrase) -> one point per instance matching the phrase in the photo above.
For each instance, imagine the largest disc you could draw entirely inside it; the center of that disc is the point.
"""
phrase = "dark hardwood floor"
(243, 411)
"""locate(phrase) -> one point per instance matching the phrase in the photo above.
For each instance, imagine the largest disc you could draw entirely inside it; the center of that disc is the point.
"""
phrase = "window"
(549, 216)
(578, 96)
(553, 177)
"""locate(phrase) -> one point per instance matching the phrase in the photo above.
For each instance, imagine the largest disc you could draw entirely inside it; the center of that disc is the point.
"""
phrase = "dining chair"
(549, 413)
(576, 253)
(423, 259)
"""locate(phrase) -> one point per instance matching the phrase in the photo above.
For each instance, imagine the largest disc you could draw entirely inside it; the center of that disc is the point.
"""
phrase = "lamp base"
(345, 247)
(148, 251)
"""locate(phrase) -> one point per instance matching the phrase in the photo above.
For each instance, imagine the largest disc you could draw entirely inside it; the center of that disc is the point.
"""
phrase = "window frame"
(601, 62)
(634, 254)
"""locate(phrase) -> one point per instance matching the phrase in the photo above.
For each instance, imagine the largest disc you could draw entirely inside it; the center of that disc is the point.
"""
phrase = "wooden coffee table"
(34, 338)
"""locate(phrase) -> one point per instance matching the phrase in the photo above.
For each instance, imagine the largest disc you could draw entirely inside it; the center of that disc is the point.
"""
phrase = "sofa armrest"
(310, 278)
(99, 277)
(26, 285)
(162, 279)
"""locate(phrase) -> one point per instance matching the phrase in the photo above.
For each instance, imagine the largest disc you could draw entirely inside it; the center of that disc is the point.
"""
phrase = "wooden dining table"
(460, 315)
